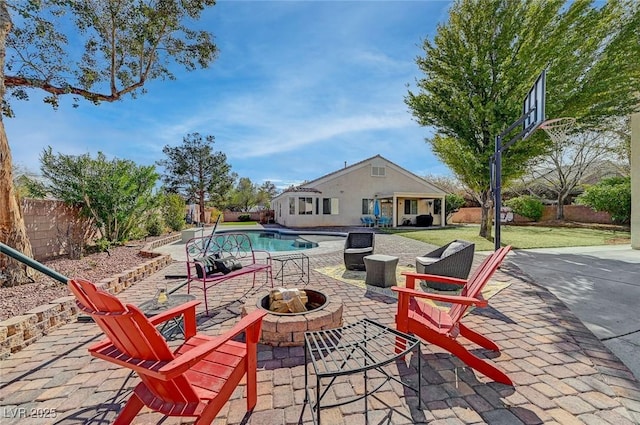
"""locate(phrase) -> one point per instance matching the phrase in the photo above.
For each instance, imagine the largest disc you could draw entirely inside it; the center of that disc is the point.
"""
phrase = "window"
(292, 206)
(330, 206)
(411, 206)
(378, 171)
(367, 206)
(305, 205)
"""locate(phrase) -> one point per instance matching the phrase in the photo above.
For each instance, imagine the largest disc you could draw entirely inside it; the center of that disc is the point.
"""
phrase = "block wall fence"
(577, 213)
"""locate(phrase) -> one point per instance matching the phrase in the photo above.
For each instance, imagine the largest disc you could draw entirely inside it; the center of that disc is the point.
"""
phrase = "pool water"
(275, 241)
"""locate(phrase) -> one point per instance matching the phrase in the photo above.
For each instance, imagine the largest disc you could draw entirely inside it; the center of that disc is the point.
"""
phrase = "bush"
(244, 217)
(612, 195)
(173, 208)
(155, 226)
(526, 206)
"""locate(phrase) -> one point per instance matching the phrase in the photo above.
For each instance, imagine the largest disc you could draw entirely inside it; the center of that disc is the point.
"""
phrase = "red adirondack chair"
(442, 327)
(195, 380)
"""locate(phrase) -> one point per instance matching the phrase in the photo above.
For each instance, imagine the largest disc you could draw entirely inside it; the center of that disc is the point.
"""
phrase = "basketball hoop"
(559, 128)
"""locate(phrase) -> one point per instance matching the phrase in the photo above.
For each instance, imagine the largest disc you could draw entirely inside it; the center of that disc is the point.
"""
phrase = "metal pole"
(497, 202)
(4, 249)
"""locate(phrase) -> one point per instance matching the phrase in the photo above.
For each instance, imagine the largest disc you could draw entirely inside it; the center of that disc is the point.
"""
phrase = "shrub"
(612, 195)
(527, 206)
(173, 207)
(155, 226)
(244, 217)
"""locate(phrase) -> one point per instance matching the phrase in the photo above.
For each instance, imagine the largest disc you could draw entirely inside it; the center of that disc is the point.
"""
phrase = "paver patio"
(562, 373)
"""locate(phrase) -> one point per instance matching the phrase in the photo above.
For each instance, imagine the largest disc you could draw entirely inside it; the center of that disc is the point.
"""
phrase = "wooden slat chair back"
(442, 327)
(196, 380)
(477, 282)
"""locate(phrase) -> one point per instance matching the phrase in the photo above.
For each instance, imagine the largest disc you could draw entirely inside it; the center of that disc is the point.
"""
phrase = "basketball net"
(558, 129)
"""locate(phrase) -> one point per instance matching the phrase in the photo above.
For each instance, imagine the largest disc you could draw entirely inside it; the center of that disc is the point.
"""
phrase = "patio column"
(443, 214)
(395, 211)
(635, 183)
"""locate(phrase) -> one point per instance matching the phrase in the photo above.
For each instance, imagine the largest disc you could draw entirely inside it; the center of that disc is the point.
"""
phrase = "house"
(345, 196)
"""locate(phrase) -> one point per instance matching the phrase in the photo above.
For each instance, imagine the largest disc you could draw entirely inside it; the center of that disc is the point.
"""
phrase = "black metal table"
(298, 261)
(354, 348)
(151, 308)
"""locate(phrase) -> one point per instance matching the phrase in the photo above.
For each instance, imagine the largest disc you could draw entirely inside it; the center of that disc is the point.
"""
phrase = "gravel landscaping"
(17, 300)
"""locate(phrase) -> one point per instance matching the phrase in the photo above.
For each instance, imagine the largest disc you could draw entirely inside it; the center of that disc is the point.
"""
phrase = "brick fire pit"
(287, 329)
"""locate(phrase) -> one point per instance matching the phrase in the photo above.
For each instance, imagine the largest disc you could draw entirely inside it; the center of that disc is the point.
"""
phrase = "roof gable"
(376, 160)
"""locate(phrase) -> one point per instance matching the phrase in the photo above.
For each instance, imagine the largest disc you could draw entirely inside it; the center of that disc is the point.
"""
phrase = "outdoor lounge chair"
(194, 380)
(356, 247)
(442, 327)
(453, 259)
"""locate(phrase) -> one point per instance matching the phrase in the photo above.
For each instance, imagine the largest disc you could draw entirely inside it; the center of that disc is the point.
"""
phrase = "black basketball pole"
(495, 164)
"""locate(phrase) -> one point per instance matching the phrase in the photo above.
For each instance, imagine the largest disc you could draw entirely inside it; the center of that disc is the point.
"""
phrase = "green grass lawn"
(239, 223)
(517, 236)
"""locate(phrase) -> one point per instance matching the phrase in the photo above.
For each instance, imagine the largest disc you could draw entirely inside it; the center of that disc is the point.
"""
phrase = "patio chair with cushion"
(453, 260)
(356, 247)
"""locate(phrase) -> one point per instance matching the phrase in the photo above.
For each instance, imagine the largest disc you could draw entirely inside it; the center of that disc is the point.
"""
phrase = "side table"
(381, 270)
(151, 308)
(299, 262)
(355, 348)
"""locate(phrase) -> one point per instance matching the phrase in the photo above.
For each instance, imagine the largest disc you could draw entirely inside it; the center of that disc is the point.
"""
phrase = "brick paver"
(562, 373)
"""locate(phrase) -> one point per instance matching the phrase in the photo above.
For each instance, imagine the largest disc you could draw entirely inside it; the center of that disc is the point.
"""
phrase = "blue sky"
(300, 88)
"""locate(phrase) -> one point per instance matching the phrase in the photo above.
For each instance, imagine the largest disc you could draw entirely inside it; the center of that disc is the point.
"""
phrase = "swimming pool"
(281, 240)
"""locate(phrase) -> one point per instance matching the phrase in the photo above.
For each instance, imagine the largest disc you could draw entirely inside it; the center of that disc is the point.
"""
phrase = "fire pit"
(287, 329)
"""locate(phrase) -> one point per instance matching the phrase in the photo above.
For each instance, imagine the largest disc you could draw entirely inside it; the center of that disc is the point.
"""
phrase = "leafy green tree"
(481, 63)
(173, 211)
(196, 172)
(244, 196)
(612, 195)
(99, 50)
(266, 192)
(117, 194)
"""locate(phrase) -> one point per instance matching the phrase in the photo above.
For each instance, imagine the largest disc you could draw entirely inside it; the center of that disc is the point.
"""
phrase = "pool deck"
(562, 373)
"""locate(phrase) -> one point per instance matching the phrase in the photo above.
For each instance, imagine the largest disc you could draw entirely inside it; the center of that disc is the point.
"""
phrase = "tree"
(196, 172)
(563, 167)
(266, 193)
(116, 194)
(120, 47)
(612, 195)
(247, 195)
(244, 196)
(481, 63)
(173, 209)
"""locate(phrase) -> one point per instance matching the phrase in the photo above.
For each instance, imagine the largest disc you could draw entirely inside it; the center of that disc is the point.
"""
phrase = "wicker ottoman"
(381, 270)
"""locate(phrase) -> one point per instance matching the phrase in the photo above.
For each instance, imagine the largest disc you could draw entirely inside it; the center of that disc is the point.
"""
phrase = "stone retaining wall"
(19, 331)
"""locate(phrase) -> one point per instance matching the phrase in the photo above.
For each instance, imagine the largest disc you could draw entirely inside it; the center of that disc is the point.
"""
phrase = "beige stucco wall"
(350, 189)
(635, 181)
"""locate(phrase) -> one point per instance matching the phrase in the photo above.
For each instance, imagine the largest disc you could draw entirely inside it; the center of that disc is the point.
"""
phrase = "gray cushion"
(453, 248)
(425, 261)
(358, 250)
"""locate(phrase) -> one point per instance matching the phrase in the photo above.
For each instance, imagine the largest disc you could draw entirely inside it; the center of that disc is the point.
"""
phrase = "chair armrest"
(249, 324)
(187, 309)
(454, 299)
(413, 276)
(166, 370)
(267, 254)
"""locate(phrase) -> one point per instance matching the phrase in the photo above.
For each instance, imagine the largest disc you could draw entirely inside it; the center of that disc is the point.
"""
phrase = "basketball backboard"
(533, 107)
